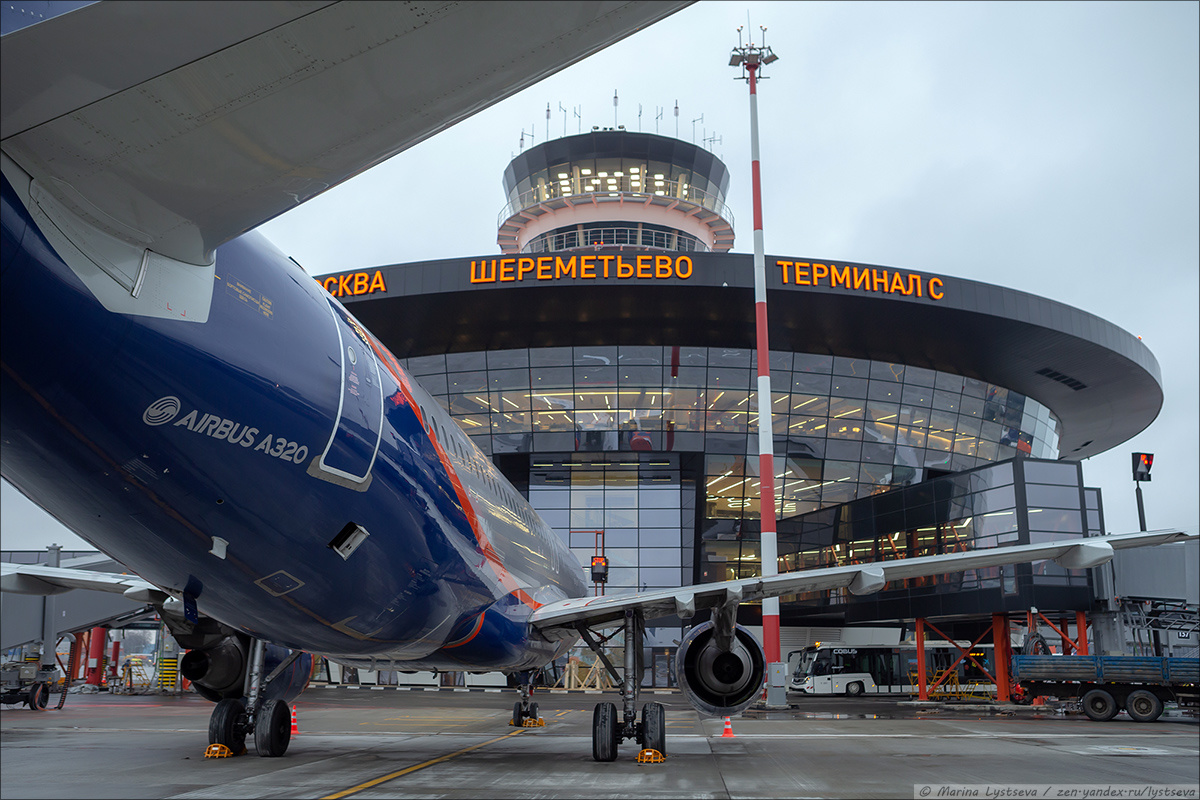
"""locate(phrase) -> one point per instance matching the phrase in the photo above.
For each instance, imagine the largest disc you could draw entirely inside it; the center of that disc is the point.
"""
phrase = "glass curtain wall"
(844, 428)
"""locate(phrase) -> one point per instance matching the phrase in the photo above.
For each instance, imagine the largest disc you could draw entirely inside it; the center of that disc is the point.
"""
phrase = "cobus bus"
(855, 670)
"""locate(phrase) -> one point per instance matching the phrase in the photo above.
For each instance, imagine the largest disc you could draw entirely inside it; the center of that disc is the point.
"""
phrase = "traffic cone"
(728, 732)
(295, 726)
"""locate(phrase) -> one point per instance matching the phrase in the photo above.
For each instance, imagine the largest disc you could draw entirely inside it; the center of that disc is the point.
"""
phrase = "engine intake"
(720, 683)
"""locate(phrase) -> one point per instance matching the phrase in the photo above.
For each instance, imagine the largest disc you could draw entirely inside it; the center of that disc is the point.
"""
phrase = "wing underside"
(174, 127)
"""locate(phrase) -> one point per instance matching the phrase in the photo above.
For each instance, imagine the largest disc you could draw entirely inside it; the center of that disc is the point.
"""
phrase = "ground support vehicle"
(24, 682)
(1106, 685)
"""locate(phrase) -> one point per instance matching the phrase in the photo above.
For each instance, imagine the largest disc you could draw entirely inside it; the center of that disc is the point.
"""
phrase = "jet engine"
(219, 671)
(720, 683)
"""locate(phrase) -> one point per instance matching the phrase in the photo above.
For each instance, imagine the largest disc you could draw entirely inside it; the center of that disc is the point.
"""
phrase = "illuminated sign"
(583, 267)
(866, 279)
(352, 284)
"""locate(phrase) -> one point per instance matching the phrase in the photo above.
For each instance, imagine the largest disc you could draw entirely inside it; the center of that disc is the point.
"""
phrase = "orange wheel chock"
(649, 756)
(217, 751)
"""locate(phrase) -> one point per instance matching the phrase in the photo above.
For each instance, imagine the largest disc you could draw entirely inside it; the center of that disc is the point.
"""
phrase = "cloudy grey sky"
(1047, 147)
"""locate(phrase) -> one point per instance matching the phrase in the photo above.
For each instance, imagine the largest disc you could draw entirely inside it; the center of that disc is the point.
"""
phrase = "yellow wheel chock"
(649, 756)
(217, 751)
(533, 723)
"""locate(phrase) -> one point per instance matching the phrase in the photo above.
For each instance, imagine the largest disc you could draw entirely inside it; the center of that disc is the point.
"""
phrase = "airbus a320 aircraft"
(187, 399)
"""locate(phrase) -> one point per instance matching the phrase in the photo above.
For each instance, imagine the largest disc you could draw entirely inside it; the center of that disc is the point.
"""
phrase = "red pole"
(95, 662)
(1081, 633)
(922, 684)
(1000, 648)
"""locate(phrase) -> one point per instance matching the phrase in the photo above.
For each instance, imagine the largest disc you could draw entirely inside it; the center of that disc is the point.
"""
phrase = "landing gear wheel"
(533, 712)
(518, 714)
(1099, 705)
(273, 729)
(37, 697)
(654, 727)
(225, 725)
(605, 732)
(854, 689)
(1143, 706)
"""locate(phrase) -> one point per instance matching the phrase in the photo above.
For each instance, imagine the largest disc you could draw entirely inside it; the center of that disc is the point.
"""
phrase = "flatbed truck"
(1106, 685)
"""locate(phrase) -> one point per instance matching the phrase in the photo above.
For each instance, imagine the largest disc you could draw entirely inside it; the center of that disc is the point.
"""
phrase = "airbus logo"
(166, 409)
(161, 411)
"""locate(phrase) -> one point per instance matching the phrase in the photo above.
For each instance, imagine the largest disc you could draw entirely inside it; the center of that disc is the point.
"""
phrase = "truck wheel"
(1143, 706)
(1099, 705)
(36, 699)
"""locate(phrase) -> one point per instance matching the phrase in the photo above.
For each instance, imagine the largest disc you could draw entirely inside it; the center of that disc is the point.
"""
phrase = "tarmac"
(376, 743)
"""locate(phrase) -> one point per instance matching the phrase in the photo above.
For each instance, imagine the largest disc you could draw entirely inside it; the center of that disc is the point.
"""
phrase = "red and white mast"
(751, 58)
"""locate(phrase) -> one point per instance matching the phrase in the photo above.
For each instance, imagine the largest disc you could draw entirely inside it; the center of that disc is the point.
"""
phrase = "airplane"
(187, 399)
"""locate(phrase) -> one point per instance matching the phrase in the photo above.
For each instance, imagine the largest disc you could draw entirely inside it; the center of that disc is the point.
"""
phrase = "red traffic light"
(599, 569)
(1142, 462)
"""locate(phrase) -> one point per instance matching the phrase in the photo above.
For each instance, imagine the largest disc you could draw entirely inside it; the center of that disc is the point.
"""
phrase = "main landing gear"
(607, 728)
(234, 719)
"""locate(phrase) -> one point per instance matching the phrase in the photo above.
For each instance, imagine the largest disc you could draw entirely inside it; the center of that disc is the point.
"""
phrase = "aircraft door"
(354, 442)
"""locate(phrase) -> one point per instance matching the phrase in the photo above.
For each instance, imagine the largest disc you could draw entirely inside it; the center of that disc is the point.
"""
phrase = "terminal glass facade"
(845, 429)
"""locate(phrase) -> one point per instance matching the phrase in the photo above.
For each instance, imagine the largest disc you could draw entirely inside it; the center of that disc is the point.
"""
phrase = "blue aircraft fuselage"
(228, 459)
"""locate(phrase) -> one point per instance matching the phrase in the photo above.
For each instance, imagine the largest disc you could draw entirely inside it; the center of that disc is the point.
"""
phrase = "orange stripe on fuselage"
(474, 632)
(485, 546)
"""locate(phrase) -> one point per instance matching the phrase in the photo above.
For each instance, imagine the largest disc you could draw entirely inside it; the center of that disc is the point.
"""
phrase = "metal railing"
(615, 189)
(607, 237)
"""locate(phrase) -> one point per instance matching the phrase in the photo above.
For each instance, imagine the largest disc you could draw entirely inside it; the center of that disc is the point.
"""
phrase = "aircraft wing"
(174, 127)
(42, 580)
(558, 619)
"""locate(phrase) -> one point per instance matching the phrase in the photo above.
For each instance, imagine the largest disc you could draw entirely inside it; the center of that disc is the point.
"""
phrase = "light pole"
(751, 58)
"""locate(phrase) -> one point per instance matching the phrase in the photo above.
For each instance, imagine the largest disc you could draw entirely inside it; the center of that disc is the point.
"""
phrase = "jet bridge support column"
(1002, 652)
(95, 656)
(922, 681)
(49, 632)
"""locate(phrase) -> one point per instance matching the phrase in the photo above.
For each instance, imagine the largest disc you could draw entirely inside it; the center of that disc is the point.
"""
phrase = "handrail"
(622, 187)
(614, 236)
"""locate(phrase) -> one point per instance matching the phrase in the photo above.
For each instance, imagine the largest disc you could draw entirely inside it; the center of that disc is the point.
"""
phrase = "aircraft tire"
(518, 716)
(1099, 705)
(273, 729)
(533, 711)
(224, 727)
(605, 734)
(654, 727)
(1143, 706)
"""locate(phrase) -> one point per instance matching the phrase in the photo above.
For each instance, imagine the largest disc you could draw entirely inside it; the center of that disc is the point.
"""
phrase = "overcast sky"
(1045, 147)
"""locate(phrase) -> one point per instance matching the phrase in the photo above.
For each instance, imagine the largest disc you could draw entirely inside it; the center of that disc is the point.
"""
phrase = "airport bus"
(855, 670)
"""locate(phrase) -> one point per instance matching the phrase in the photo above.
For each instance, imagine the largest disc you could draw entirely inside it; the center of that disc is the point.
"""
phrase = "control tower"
(612, 188)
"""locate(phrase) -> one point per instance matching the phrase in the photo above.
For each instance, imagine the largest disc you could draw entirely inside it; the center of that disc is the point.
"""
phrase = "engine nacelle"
(716, 683)
(219, 671)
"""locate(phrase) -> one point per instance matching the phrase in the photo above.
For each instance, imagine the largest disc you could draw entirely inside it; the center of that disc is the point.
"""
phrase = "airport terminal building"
(604, 358)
